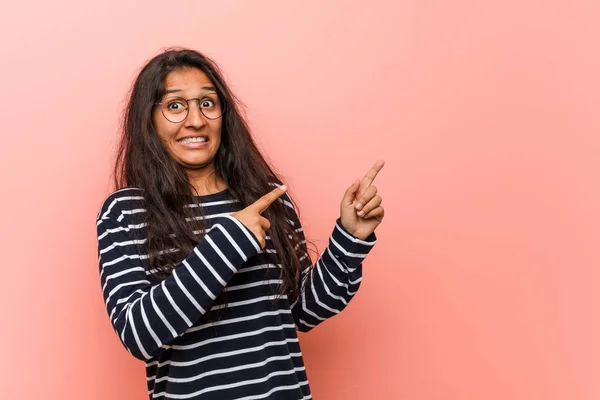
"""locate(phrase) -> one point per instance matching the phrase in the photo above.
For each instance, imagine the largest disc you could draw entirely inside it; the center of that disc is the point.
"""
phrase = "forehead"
(187, 79)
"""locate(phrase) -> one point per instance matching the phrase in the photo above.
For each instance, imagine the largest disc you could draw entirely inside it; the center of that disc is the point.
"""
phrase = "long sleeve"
(331, 282)
(148, 317)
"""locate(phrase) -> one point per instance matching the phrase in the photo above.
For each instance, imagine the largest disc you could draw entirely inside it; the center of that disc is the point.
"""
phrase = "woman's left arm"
(331, 282)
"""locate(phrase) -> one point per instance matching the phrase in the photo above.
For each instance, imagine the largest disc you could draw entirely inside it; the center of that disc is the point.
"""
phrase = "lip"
(193, 145)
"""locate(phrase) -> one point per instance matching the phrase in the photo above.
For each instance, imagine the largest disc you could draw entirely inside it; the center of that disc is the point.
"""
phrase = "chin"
(196, 164)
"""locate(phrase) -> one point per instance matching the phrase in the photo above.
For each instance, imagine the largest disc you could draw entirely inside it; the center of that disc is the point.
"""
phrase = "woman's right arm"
(147, 317)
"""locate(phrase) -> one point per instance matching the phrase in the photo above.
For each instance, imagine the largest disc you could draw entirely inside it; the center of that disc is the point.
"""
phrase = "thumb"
(350, 194)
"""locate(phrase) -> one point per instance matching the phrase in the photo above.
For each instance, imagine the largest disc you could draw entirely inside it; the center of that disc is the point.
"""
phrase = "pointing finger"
(264, 202)
(370, 176)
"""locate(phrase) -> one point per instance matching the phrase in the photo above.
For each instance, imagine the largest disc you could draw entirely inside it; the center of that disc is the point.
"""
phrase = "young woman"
(203, 262)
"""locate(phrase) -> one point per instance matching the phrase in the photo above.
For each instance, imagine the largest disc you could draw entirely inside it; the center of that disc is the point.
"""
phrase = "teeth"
(193, 140)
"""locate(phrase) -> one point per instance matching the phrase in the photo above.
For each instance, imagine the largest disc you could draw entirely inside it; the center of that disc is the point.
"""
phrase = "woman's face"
(194, 141)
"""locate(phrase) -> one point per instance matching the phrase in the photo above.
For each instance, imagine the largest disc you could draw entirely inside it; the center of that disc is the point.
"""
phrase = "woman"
(203, 262)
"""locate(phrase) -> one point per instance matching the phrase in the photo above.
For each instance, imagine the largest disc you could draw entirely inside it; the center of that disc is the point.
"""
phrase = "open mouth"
(195, 139)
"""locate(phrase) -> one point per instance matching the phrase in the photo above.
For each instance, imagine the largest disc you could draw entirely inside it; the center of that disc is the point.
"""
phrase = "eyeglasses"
(177, 109)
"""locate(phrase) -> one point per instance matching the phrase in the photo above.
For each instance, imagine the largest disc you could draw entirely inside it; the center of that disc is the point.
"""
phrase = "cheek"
(165, 130)
(217, 129)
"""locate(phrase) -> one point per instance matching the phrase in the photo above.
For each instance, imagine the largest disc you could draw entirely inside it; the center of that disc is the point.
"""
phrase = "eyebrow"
(179, 90)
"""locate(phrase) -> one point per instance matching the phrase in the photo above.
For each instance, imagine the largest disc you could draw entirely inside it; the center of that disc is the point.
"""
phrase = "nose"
(195, 118)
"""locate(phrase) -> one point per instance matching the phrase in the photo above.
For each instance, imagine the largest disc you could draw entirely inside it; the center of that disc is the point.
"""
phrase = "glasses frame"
(187, 108)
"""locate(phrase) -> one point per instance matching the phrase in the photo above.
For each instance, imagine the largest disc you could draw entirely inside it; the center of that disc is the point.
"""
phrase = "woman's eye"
(207, 103)
(175, 106)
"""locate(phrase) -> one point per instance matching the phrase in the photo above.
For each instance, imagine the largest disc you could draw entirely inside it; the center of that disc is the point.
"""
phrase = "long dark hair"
(143, 162)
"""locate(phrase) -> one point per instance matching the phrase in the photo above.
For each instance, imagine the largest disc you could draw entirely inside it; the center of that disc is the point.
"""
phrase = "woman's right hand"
(251, 216)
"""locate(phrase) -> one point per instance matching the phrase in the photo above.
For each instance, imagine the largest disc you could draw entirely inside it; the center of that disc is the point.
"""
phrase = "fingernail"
(361, 213)
(283, 187)
(359, 206)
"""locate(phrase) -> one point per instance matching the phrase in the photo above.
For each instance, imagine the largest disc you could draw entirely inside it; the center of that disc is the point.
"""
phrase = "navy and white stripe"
(216, 327)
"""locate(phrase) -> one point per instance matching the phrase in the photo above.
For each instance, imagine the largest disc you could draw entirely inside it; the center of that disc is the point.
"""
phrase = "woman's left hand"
(361, 211)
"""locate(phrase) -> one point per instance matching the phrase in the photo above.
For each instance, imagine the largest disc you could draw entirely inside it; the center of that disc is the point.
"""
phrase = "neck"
(205, 181)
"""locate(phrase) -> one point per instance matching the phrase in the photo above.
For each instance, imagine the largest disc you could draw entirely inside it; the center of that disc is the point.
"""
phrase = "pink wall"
(485, 283)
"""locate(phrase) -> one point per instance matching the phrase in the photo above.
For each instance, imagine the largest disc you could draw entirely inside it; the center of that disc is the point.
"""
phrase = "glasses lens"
(210, 106)
(175, 109)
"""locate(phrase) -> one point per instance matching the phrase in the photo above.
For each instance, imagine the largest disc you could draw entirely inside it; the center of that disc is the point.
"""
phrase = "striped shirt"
(197, 344)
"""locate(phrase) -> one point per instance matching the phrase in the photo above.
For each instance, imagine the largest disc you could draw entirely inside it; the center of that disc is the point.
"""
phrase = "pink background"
(486, 281)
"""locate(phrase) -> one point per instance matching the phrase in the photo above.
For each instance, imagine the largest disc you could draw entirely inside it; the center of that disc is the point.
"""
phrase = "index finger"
(264, 202)
(370, 176)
